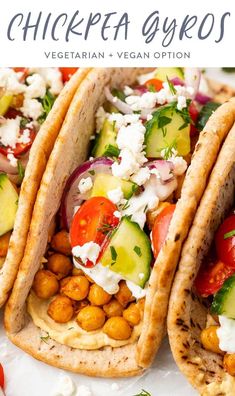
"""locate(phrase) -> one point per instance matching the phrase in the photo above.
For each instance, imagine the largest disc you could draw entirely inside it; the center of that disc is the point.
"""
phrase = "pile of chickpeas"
(210, 342)
(77, 296)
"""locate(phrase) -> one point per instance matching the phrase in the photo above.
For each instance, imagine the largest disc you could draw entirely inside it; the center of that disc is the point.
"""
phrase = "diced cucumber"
(129, 253)
(162, 73)
(8, 204)
(105, 145)
(5, 103)
(104, 183)
(224, 299)
(167, 129)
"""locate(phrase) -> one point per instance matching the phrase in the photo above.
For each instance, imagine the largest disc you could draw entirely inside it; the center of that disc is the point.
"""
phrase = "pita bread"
(39, 154)
(70, 150)
(187, 315)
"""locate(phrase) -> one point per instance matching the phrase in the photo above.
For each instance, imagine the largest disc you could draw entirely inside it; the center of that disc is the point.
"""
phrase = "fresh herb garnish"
(23, 122)
(119, 94)
(170, 149)
(205, 114)
(47, 102)
(21, 170)
(126, 205)
(111, 151)
(229, 234)
(113, 253)
(143, 393)
(45, 338)
(171, 86)
(105, 228)
(92, 172)
(137, 250)
(151, 88)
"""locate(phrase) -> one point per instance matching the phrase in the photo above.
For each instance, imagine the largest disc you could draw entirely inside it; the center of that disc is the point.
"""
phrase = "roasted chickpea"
(117, 328)
(61, 309)
(91, 318)
(76, 288)
(77, 271)
(59, 264)
(132, 315)
(98, 296)
(4, 244)
(60, 242)
(113, 308)
(229, 363)
(45, 284)
(210, 340)
(124, 295)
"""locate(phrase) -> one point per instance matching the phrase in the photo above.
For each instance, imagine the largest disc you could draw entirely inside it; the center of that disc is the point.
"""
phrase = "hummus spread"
(70, 333)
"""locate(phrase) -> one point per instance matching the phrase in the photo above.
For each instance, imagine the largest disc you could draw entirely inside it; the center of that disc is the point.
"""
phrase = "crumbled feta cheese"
(52, 77)
(85, 185)
(123, 120)
(115, 386)
(83, 390)
(136, 290)
(149, 117)
(102, 276)
(141, 176)
(127, 166)
(32, 108)
(117, 214)
(115, 195)
(88, 251)
(128, 90)
(181, 103)
(25, 137)
(180, 165)
(64, 387)
(9, 80)
(146, 101)
(100, 118)
(13, 161)
(226, 334)
(9, 132)
(36, 87)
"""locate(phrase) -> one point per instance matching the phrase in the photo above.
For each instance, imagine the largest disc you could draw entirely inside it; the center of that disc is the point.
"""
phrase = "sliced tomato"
(225, 241)
(20, 148)
(67, 72)
(193, 112)
(93, 222)
(154, 84)
(160, 228)
(2, 380)
(211, 277)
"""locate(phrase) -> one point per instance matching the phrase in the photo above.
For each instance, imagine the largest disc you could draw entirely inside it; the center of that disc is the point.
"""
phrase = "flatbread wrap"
(33, 104)
(91, 294)
(200, 318)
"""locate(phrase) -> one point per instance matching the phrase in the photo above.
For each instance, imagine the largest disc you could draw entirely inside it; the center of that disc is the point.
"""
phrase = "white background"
(203, 53)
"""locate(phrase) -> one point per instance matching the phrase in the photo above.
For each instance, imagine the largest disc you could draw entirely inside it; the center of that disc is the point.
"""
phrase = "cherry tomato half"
(224, 243)
(2, 380)
(154, 84)
(160, 228)
(67, 72)
(93, 222)
(211, 277)
(193, 112)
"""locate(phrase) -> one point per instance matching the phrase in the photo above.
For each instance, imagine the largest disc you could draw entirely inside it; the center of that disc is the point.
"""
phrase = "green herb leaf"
(229, 234)
(143, 393)
(119, 94)
(21, 170)
(47, 102)
(92, 172)
(45, 338)
(205, 114)
(23, 122)
(111, 151)
(151, 88)
(171, 86)
(137, 250)
(113, 253)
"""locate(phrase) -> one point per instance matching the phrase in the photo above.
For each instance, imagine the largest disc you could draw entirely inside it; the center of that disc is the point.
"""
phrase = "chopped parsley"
(119, 94)
(229, 234)
(45, 338)
(205, 114)
(23, 122)
(21, 170)
(170, 149)
(171, 86)
(111, 151)
(92, 172)
(113, 253)
(47, 102)
(137, 250)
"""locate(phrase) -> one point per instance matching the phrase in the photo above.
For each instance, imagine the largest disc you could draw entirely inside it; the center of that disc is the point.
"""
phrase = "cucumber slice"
(5, 103)
(8, 204)
(129, 253)
(104, 183)
(224, 299)
(105, 145)
(163, 72)
(169, 128)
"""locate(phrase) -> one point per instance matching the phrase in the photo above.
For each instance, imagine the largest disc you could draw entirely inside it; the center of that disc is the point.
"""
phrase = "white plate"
(26, 376)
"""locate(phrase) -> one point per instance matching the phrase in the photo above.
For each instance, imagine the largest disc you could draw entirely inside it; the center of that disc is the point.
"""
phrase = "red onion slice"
(140, 90)
(177, 81)
(165, 169)
(119, 104)
(202, 98)
(192, 76)
(71, 195)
